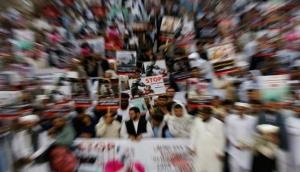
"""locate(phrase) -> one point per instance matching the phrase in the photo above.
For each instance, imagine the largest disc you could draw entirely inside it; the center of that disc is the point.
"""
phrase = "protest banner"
(147, 86)
(222, 57)
(274, 87)
(108, 88)
(126, 61)
(154, 68)
(99, 155)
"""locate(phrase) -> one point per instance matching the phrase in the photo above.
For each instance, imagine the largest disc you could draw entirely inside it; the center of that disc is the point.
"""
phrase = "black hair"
(170, 105)
(79, 110)
(124, 95)
(158, 118)
(135, 109)
(227, 102)
(163, 96)
(178, 106)
(256, 102)
(206, 110)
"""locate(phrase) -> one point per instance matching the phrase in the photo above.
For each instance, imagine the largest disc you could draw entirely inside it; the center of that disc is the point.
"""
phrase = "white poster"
(274, 87)
(152, 85)
(149, 155)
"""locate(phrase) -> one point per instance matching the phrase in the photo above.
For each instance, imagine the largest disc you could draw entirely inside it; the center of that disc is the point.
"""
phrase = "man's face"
(59, 123)
(240, 109)
(162, 101)
(109, 117)
(170, 92)
(178, 112)
(133, 115)
(205, 116)
(124, 103)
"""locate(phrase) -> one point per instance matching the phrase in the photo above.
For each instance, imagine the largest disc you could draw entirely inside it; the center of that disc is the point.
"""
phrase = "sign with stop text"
(147, 86)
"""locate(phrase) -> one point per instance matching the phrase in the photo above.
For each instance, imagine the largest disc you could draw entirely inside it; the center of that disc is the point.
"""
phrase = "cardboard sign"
(98, 44)
(154, 68)
(152, 85)
(126, 61)
(108, 88)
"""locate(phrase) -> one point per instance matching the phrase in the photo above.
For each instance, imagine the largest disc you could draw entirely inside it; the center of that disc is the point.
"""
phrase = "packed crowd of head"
(265, 39)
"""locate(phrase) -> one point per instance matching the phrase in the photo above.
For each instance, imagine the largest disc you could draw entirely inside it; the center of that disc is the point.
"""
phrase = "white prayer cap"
(240, 104)
(268, 128)
(193, 56)
(29, 118)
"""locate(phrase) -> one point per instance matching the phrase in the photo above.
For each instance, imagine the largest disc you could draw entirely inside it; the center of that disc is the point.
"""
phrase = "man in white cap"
(26, 143)
(240, 134)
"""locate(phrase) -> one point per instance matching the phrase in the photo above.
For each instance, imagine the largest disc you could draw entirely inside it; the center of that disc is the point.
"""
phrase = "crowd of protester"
(236, 130)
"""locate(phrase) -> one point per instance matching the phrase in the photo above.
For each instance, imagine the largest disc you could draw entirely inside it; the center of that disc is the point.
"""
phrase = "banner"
(126, 61)
(274, 87)
(152, 85)
(149, 155)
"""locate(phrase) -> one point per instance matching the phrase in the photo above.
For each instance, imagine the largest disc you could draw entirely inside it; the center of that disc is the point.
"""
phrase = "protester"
(180, 122)
(293, 130)
(207, 142)
(62, 132)
(26, 142)
(108, 126)
(136, 128)
(240, 133)
(160, 127)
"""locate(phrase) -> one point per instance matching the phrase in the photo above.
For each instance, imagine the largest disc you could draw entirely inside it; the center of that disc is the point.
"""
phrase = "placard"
(274, 87)
(154, 68)
(222, 56)
(144, 86)
(126, 61)
(198, 91)
(108, 155)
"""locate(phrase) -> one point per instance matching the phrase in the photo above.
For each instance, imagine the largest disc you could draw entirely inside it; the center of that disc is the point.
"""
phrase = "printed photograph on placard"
(97, 44)
(154, 68)
(222, 57)
(147, 86)
(170, 24)
(79, 88)
(124, 84)
(197, 90)
(108, 88)
(126, 61)
(222, 52)
(179, 67)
